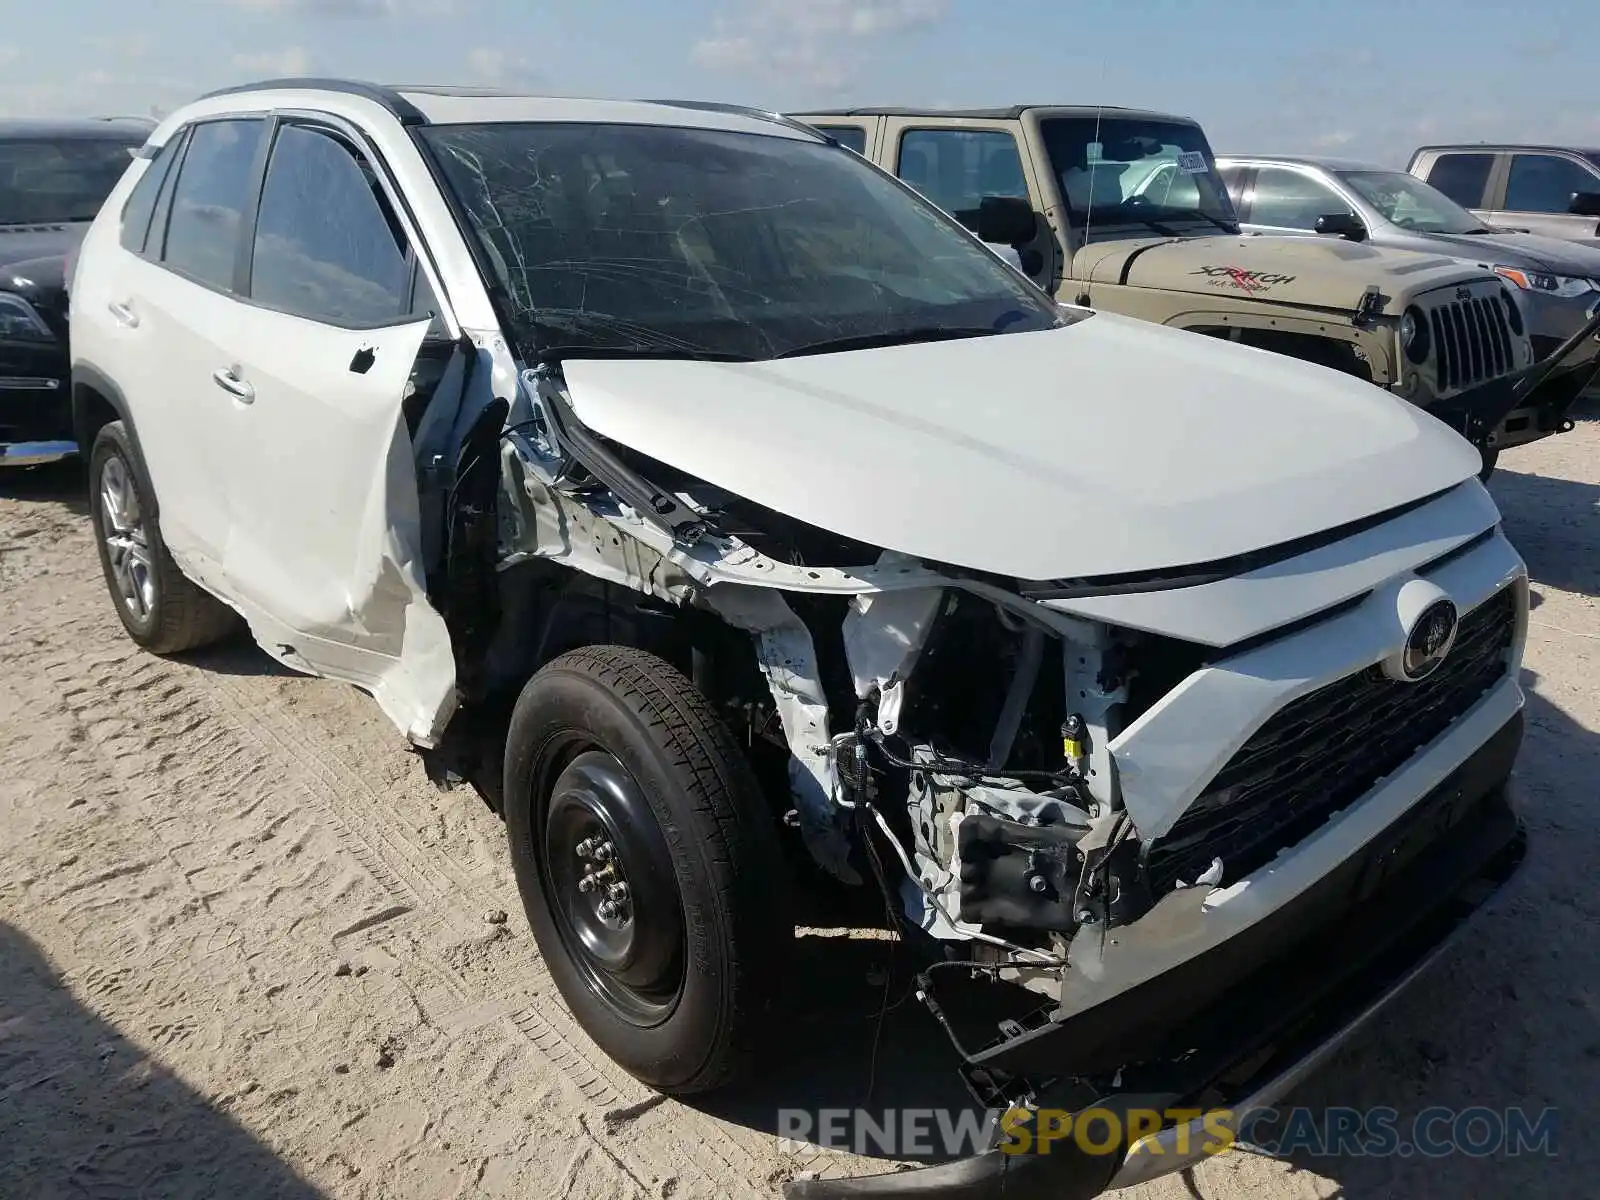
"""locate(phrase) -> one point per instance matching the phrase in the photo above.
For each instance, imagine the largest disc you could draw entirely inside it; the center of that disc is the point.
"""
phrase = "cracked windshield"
(1412, 204)
(613, 240)
(1115, 172)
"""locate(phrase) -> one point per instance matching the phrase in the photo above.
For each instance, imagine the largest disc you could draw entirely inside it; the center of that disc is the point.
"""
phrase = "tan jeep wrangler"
(1125, 210)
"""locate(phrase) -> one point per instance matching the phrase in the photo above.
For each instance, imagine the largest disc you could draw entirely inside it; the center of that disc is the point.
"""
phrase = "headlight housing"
(20, 321)
(1568, 287)
(1415, 339)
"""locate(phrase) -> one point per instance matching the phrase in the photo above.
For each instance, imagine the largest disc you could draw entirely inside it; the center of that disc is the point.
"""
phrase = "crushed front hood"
(1311, 271)
(1108, 446)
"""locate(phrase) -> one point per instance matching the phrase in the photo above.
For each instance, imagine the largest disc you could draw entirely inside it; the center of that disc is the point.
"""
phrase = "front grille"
(1323, 752)
(1472, 341)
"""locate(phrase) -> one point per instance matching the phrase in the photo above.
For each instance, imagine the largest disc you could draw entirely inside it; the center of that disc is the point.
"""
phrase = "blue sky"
(1355, 76)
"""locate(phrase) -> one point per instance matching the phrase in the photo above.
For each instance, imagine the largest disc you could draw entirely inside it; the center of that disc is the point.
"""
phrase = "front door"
(324, 551)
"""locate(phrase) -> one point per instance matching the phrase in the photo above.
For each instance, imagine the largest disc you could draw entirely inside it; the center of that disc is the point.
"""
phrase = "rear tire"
(618, 772)
(160, 607)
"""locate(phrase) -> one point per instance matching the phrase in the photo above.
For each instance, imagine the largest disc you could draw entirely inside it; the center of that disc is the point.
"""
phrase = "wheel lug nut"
(587, 884)
(617, 892)
(604, 852)
(608, 910)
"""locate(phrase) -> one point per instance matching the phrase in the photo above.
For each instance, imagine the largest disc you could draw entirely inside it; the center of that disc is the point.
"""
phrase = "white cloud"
(350, 8)
(494, 66)
(815, 42)
(292, 61)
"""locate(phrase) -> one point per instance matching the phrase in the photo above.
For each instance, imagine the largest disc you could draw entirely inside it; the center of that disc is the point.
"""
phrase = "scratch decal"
(1245, 281)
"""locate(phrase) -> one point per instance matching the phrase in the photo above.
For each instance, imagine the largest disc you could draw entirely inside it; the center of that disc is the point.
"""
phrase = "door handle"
(228, 380)
(124, 314)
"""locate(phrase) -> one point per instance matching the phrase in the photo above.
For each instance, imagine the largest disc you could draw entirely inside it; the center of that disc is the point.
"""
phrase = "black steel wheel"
(609, 875)
(649, 865)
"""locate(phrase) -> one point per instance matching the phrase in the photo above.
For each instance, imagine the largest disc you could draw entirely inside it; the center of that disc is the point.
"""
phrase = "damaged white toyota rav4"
(708, 499)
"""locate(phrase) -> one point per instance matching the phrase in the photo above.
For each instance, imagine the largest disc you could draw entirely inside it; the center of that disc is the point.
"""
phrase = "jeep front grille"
(1323, 752)
(1472, 341)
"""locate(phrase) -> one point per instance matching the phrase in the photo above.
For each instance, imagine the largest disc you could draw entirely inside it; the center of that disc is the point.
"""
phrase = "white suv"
(710, 501)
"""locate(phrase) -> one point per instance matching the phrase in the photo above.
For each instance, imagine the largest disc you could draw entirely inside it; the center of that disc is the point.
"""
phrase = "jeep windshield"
(1411, 204)
(60, 180)
(683, 242)
(1121, 172)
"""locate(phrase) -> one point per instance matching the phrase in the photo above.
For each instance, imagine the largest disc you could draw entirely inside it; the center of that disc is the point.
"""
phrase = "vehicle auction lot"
(247, 949)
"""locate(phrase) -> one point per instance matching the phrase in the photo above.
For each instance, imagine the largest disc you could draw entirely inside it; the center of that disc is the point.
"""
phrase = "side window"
(851, 137)
(1290, 200)
(209, 200)
(327, 247)
(141, 202)
(956, 168)
(1543, 183)
(1462, 177)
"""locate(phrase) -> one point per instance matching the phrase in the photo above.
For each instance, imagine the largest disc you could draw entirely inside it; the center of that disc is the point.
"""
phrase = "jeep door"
(957, 162)
(330, 364)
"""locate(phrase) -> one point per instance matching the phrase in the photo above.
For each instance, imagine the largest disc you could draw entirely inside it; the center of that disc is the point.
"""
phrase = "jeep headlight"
(20, 321)
(1414, 339)
(1568, 287)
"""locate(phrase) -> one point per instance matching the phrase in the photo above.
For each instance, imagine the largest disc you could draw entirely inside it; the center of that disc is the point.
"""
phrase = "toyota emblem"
(1429, 641)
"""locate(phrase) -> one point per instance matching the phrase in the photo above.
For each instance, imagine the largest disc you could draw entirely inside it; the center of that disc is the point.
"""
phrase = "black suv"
(54, 175)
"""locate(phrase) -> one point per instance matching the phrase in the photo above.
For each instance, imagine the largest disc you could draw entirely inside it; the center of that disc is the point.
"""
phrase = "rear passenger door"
(325, 550)
(171, 306)
(1538, 191)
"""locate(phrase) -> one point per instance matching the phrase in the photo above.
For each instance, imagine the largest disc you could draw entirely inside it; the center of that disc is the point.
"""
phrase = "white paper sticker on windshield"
(1192, 162)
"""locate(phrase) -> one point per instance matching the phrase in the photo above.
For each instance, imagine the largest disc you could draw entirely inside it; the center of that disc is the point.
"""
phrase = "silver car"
(1558, 281)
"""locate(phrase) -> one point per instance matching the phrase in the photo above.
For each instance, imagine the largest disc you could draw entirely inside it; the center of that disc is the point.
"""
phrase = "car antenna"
(1099, 111)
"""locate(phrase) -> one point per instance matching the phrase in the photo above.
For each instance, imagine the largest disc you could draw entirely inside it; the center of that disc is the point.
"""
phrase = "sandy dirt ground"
(246, 949)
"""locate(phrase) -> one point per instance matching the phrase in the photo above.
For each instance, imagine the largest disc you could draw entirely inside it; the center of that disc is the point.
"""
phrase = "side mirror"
(1585, 204)
(1005, 220)
(1345, 225)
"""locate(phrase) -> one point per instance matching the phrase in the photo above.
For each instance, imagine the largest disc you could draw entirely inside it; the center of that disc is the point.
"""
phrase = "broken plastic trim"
(656, 505)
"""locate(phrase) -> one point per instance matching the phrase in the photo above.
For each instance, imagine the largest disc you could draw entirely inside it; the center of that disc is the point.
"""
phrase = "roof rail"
(397, 105)
(742, 110)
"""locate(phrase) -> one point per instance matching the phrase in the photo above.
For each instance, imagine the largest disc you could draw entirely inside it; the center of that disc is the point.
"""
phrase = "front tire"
(648, 864)
(160, 607)
(1490, 457)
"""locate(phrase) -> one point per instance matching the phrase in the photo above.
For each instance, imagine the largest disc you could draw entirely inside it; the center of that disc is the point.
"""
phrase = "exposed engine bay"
(889, 703)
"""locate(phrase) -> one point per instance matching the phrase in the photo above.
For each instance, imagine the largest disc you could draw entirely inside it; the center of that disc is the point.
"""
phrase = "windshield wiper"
(551, 355)
(897, 337)
(1205, 216)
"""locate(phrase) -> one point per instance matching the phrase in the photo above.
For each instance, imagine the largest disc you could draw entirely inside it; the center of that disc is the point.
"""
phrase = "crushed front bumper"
(1534, 402)
(1273, 1007)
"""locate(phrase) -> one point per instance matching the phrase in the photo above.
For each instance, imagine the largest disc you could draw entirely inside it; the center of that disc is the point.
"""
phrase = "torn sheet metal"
(789, 662)
(883, 637)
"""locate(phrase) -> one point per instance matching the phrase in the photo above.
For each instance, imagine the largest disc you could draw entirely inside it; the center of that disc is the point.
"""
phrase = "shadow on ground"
(1555, 524)
(84, 1113)
(63, 483)
(1508, 1018)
